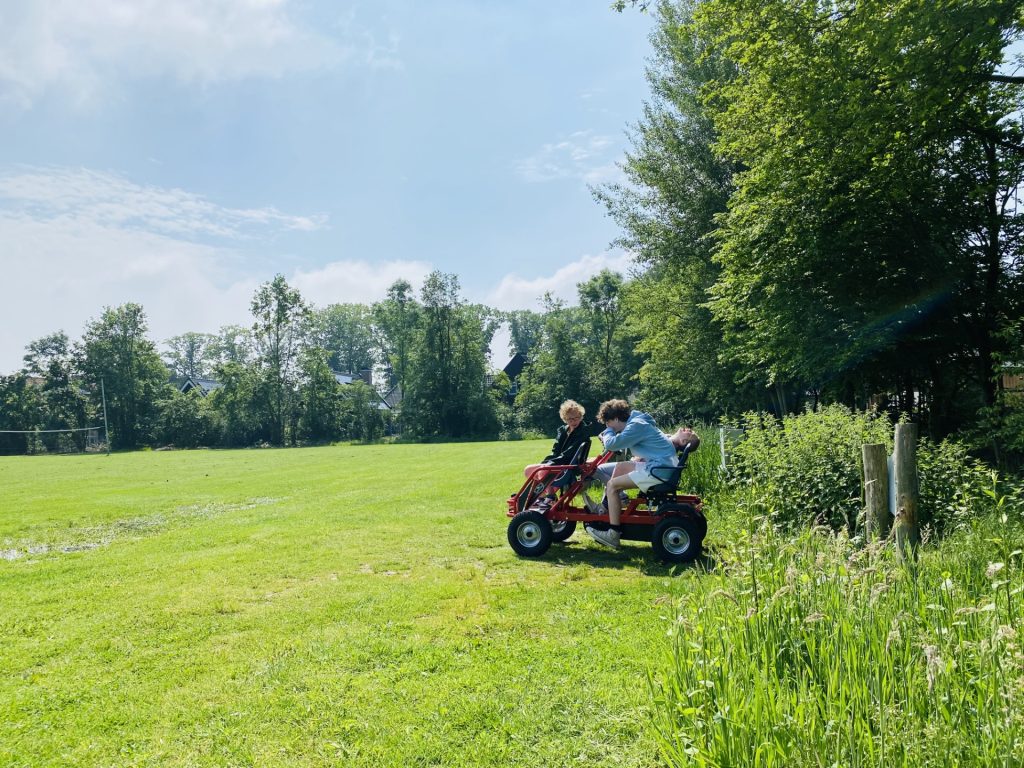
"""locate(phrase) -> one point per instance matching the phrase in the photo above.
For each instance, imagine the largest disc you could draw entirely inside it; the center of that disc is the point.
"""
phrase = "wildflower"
(947, 585)
(993, 569)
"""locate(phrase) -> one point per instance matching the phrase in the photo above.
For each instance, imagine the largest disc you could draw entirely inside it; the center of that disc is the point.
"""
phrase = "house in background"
(513, 368)
(205, 386)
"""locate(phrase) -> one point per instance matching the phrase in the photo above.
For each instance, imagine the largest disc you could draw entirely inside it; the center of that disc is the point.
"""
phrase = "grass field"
(347, 605)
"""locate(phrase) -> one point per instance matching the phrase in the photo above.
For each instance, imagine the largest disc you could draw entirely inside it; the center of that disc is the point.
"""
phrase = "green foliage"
(397, 320)
(63, 404)
(360, 418)
(345, 331)
(21, 408)
(808, 466)
(957, 488)
(192, 355)
(115, 354)
(677, 188)
(280, 316)
(240, 403)
(187, 420)
(447, 396)
(869, 234)
(320, 398)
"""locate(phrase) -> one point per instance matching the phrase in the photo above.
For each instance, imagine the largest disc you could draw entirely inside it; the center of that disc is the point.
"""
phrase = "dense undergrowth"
(806, 646)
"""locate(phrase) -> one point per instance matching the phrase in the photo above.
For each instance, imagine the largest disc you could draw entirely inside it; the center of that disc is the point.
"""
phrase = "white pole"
(106, 427)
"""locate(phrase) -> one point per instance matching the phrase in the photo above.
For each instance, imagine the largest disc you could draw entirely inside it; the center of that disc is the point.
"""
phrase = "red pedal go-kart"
(674, 523)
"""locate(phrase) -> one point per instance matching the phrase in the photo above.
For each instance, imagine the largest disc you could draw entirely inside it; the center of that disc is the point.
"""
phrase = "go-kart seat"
(669, 476)
(569, 476)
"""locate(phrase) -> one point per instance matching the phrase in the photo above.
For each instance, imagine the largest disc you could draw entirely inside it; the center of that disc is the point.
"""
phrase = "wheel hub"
(675, 541)
(528, 534)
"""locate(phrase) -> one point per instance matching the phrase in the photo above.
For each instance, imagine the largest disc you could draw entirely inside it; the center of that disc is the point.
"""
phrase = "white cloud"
(515, 292)
(110, 200)
(77, 240)
(356, 281)
(62, 272)
(85, 46)
(582, 155)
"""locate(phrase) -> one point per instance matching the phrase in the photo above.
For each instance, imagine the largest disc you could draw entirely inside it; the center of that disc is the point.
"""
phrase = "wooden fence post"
(876, 491)
(904, 467)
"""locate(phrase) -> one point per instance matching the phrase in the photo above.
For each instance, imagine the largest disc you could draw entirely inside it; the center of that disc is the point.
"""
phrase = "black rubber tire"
(561, 530)
(687, 511)
(529, 534)
(678, 539)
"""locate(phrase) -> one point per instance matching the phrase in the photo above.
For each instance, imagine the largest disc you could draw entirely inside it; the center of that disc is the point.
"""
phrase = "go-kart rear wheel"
(677, 539)
(561, 530)
(529, 534)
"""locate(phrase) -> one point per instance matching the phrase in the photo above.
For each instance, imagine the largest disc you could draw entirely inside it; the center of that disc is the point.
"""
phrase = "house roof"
(515, 366)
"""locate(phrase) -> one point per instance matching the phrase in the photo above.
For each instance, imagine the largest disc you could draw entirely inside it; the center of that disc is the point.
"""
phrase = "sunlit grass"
(353, 606)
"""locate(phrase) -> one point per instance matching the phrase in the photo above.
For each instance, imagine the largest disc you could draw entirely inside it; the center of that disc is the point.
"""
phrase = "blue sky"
(178, 153)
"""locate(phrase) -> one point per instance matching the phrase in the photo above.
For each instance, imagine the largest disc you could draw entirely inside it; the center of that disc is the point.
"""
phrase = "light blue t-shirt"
(641, 436)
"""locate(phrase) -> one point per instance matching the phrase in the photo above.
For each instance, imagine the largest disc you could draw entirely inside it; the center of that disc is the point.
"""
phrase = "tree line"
(274, 382)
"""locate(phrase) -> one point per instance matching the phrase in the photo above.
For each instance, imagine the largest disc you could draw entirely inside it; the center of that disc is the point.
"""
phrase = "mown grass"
(347, 605)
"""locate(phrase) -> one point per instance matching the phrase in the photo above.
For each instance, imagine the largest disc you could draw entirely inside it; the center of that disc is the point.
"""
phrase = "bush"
(807, 469)
(808, 466)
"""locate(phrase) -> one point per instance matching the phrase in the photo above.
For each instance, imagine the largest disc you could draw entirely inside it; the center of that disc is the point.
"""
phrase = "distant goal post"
(70, 440)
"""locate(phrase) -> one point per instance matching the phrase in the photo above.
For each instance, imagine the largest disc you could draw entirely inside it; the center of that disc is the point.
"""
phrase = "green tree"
(115, 354)
(320, 397)
(556, 371)
(191, 355)
(525, 330)
(63, 404)
(675, 188)
(234, 344)
(21, 408)
(361, 419)
(397, 321)
(278, 332)
(610, 360)
(240, 405)
(871, 241)
(187, 420)
(447, 393)
(346, 332)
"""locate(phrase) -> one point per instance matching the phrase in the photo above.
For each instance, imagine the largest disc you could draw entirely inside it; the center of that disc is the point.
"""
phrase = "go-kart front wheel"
(678, 539)
(530, 534)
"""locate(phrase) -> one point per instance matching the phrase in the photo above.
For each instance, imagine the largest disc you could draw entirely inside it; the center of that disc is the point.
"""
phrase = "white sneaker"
(609, 538)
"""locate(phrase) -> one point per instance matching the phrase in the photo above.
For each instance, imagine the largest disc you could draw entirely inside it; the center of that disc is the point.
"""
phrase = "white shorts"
(642, 477)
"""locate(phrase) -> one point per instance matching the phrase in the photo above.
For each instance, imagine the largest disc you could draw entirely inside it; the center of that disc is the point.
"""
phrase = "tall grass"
(804, 647)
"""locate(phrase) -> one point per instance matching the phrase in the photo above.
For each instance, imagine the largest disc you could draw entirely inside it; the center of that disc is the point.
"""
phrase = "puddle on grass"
(88, 538)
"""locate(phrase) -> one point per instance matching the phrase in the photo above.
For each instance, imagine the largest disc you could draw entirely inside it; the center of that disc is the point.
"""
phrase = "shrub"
(808, 465)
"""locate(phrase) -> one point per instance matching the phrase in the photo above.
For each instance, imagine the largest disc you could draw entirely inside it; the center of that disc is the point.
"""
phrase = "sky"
(179, 153)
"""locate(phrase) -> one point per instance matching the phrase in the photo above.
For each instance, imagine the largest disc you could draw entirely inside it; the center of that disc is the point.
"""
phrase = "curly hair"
(613, 409)
(571, 406)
